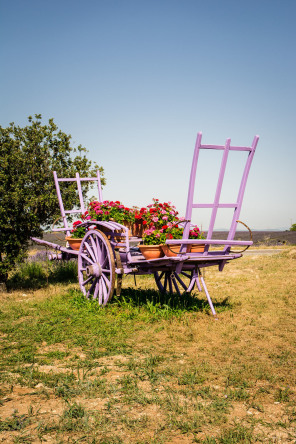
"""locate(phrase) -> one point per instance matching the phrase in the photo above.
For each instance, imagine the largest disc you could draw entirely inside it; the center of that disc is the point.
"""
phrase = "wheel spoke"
(86, 258)
(170, 283)
(106, 281)
(176, 286)
(165, 281)
(105, 261)
(159, 276)
(186, 274)
(94, 248)
(96, 290)
(87, 280)
(91, 253)
(99, 249)
(100, 292)
(90, 290)
(105, 292)
(180, 281)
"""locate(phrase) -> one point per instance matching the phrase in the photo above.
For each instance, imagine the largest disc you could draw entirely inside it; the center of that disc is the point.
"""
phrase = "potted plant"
(152, 240)
(77, 233)
(159, 214)
(195, 233)
(109, 210)
(172, 232)
(140, 223)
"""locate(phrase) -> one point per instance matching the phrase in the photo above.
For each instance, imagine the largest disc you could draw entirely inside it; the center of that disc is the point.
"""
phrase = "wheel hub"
(94, 270)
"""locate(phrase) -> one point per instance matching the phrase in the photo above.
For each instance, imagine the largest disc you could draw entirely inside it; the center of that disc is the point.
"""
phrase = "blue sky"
(134, 81)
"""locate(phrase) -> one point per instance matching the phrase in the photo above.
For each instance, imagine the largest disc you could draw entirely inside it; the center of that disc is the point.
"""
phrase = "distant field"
(259, 237)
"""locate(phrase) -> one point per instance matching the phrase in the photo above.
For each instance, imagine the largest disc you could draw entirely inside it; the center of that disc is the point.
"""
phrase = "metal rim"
(251, 238)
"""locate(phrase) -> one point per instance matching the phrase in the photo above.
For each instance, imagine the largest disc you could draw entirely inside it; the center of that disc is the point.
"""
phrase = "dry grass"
(144, 370)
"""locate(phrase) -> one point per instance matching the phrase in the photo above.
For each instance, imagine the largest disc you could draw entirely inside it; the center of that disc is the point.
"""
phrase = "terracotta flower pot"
(151, 251)
(171, 250)
(196, 248)
(74, 243)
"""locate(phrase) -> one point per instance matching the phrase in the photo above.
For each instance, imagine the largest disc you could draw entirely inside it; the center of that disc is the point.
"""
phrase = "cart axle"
(94, 270)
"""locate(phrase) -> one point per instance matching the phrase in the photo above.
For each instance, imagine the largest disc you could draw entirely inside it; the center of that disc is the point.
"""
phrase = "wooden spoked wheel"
(96, 267)
(171, 282)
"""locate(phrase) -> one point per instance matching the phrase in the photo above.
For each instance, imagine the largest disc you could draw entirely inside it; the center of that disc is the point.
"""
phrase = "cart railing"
(216, 204)
(82, 208)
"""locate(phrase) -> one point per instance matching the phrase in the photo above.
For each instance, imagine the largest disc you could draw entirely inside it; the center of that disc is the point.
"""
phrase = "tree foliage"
(293, 227)
(28, 200)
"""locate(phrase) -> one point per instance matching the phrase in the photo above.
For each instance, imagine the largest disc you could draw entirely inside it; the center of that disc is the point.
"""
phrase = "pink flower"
(165, 218)
(149, 231)
(155, 219)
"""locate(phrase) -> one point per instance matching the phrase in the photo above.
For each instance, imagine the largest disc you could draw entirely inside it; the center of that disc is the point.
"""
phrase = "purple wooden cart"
(103, 258)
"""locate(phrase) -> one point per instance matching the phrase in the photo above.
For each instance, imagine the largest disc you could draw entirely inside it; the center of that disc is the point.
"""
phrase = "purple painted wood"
(170, 272)
(78, 180)
(64, 217)
(216, 204)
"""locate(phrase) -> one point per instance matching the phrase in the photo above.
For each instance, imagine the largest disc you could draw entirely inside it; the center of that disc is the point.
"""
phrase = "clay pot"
(151, 251)
(171, 250)
(196, 248)
(74, 243)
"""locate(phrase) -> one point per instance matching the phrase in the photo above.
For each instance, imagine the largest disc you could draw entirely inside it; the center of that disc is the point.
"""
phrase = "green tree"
(293, 227)
(28, 200)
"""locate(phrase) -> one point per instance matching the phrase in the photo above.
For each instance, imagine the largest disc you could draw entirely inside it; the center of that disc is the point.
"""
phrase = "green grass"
(33, 275)
(150, 368)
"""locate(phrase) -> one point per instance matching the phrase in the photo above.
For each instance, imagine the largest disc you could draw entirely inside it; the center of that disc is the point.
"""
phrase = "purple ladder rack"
(216, 204)
(78, 180)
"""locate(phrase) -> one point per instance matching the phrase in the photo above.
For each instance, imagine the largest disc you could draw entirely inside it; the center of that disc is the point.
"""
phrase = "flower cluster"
(140, 215)
(195, 233)
(110, 210)
(159, 214)
(78, 231)
(155, 236)
(160, 220)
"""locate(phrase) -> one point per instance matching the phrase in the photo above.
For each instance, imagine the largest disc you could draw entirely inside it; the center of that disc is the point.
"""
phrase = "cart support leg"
(208, 297)
(194, 280)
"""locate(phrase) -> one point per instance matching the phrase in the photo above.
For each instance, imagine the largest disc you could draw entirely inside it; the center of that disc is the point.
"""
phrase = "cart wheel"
(170, 282)
(96, 268)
